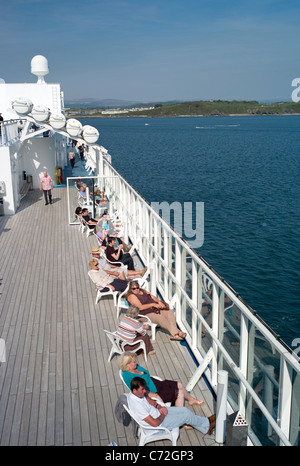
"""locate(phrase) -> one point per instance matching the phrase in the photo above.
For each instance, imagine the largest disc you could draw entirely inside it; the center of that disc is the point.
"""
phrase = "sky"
(158, 50)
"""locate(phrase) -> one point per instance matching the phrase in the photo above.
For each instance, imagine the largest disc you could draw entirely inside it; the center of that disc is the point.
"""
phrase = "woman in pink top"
(47, 183)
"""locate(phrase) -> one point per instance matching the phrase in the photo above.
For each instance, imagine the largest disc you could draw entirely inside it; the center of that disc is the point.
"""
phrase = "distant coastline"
(191, 109)
(177, 116)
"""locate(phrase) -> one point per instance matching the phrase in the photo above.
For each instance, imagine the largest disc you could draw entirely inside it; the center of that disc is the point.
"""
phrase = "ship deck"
(56, 386)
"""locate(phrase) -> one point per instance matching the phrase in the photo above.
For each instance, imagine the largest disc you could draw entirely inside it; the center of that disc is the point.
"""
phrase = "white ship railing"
(264, 374)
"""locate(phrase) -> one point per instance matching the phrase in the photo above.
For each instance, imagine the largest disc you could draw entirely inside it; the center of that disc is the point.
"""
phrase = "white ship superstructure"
(34, 135)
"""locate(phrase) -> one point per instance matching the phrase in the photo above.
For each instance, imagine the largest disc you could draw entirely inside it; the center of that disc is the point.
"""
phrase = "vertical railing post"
(221, 411)
(268, 393)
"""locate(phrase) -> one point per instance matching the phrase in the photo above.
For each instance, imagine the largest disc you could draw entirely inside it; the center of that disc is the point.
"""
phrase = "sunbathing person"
(92, 222)
(106, 224)
(115, 254)
(149, 413)
(158, 311)
(78, 211)
(165, 390)
(131, 329)
(99, 197)
(114, 269)
(103, 281)
(82, 191)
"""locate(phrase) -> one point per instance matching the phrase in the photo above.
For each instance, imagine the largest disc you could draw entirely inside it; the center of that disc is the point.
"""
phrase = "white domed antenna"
(39, 67)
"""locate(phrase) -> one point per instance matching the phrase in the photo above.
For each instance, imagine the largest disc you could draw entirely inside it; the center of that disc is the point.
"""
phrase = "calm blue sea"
(246, 171)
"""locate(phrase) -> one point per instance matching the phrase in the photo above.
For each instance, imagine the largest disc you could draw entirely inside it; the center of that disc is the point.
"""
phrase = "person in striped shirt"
(131, 329)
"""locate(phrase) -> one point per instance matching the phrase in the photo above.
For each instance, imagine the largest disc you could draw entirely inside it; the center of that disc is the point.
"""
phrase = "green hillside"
(197, 108)
(222, 107)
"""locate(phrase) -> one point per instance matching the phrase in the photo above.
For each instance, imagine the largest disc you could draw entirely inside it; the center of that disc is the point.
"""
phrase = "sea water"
(246, 171)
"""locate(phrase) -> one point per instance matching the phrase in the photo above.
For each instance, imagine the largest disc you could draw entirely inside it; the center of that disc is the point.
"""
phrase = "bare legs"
(183, 395)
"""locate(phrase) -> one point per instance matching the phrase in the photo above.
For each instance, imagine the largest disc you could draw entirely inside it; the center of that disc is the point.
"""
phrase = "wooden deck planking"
(57, 387)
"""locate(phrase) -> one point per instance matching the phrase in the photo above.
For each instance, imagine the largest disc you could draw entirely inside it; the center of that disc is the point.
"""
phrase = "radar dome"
(39, 67)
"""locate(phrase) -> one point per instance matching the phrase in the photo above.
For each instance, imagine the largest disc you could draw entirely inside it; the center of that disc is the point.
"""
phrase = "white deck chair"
(82, 228)
(151, 434)
(89, 231)
(118, 345)
(100, 293)
(84, 202)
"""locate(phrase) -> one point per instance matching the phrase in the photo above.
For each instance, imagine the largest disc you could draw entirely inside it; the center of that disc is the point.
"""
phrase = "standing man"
(47, 183)
(72, 158)
(81, 151)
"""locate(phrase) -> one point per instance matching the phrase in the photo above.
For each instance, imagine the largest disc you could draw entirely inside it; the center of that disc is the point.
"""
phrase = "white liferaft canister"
(90, 134)
(57, 120)
(40, 113)
(73, 127)
(22, 105)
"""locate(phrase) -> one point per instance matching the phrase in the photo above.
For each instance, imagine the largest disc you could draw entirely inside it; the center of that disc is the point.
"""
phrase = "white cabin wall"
(37, 156)
(7, 174)
(33, 156)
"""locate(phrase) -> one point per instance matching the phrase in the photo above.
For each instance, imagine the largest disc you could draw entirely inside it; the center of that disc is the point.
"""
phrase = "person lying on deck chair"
(116, 254)
(158, 311)
(114, 269)
(103, 281)
(149, 413)
(92, 222)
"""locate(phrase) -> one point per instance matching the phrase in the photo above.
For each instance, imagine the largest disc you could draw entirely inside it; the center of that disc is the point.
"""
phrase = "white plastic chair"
(89, 231)
(118, 345)
(82, 227)
(151, 434)
(101, 293)
(84, 202)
